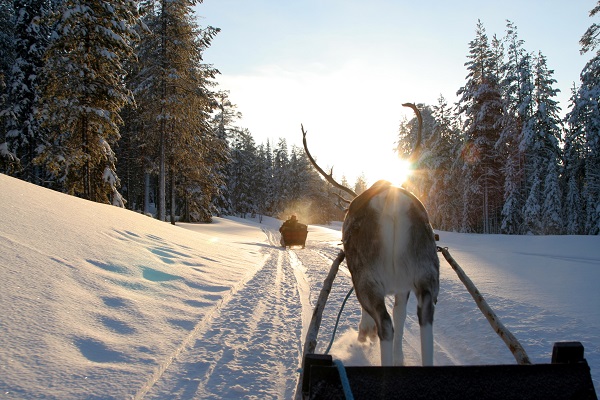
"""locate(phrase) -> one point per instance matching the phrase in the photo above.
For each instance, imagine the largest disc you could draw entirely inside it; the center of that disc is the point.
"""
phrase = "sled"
(294, 236)
(567, 376)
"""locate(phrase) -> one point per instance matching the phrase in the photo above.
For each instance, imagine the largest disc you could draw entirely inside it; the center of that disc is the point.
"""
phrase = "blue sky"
(343, 68)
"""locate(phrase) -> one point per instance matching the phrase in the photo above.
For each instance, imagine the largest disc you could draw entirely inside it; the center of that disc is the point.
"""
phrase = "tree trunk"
(146, 192)
(162, 203)
(172, 196)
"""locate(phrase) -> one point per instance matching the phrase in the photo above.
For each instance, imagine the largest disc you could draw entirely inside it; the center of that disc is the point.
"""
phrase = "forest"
(113, 102)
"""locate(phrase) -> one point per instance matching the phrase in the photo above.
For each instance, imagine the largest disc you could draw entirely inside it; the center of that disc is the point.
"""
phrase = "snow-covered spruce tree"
(7, 158)
(281, 177)
(24, 134)
(480, 106)
(224, 122)
(517, 86)
(84, 92)
(173, 90)
(267, 204)
(241, 170)
(263, 179)
(360, 185)
(573, 177)
(540, 147)
(547, 128)
(585, 116)
(443, 199)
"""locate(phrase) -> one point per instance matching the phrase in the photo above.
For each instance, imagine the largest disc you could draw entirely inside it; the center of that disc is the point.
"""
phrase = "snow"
(100, 302)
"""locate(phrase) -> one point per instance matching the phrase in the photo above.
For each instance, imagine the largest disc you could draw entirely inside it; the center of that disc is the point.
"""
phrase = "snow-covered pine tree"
(586, 116)
(242, 167)
(444, 199)
(517, 89)
(281, 177)
(547, 128)
(267, 196)
(573, 177)
(224, 122)
(6, 41)
(480, 106)
(360, 185)
(173, 90)
(84, 92)
(24, 134)
(7, 158)
(260, 181)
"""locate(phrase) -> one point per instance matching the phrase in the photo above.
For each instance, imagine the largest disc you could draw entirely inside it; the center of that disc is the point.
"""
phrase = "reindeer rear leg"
(399, 319)
(366, 328)
(425, 310)
(385, 330)
(374, 310)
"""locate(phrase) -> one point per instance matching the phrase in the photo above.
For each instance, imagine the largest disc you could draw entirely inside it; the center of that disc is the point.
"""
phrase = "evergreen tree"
(281, 177)
(173, 89)
(480, 106)
(517, 86)
(262, 178)
(241, 176)
(444, 195)
(361, 184)
(24, 134)
(574, 172)
(547, 127)
(85, 92)
(7, 55)
(224, 121)
(584, 119)
(268, 195)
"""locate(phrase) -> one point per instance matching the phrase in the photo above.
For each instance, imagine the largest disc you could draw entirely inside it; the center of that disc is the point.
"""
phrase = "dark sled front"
(294, 236)
(567, 377)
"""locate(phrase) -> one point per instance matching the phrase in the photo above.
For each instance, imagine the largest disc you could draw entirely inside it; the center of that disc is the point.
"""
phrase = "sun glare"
(394, 169)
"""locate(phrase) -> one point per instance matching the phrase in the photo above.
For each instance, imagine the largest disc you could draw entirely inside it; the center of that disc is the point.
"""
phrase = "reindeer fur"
(390, 250)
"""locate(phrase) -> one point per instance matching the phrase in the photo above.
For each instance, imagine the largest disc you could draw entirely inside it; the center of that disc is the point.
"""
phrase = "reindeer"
(390, 250)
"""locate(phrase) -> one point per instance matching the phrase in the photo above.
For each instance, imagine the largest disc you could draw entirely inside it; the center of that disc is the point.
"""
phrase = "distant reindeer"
(390, 250)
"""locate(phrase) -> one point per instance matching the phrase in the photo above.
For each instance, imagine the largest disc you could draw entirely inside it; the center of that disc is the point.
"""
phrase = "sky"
(342, 68)
(100, 302)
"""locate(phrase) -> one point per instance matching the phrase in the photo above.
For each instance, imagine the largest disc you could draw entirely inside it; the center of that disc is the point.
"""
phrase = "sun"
(392, 169)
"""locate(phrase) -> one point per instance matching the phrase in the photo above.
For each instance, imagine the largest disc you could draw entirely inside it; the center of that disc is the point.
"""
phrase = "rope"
(338, 319)
(344, 378)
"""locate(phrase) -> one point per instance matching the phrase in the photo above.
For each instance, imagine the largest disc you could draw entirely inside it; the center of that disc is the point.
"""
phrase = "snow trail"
(199, 328)
(253, 342)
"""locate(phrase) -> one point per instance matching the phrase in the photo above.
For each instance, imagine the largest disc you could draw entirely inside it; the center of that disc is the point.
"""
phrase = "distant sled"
(293, 233)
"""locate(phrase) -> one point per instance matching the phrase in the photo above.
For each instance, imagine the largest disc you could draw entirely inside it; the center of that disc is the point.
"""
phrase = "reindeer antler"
(328, 177)
(414, 155)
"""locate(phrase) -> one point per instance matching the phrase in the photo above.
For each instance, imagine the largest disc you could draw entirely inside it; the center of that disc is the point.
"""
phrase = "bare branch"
(328, 177)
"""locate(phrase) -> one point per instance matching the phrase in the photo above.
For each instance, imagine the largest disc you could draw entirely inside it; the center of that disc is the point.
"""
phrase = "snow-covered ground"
(98, 302)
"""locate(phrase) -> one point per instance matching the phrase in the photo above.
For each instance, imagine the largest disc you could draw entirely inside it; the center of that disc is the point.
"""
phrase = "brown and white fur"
(390, 250)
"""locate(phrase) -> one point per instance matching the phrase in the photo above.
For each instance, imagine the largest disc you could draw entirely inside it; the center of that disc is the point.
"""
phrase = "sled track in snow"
(251, 340)
(187, 341)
